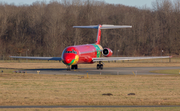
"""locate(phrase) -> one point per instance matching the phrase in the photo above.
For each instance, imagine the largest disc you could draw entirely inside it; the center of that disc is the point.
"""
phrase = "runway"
(105, 71)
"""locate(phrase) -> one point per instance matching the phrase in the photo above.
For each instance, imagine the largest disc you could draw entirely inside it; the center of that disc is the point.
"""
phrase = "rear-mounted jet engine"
(107, 52)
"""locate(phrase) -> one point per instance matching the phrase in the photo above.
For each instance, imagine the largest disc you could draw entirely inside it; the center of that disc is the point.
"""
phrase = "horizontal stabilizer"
(115, 26)
(37, 58)
(87, 27)
(104, 26)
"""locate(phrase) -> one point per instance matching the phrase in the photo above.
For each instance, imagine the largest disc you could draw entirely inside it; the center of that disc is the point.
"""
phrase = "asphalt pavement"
(105, 71)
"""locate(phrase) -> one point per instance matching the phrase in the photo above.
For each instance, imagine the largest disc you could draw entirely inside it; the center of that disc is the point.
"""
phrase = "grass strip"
(97, 109)
(33, 89)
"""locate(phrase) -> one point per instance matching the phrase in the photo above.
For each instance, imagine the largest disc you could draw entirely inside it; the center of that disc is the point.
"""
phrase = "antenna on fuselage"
(99, 27)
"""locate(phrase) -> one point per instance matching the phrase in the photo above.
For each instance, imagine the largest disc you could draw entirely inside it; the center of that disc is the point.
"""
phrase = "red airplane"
(89, 53)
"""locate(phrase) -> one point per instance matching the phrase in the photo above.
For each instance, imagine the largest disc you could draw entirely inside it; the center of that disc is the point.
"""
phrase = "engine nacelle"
(107, 52)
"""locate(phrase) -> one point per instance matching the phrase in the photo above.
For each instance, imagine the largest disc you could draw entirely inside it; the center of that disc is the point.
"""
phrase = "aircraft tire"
(101, 66)
(98, 66)
(72, 67)
(76, 66)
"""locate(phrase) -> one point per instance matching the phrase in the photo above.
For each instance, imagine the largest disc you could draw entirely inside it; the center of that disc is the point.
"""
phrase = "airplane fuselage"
(81, 54)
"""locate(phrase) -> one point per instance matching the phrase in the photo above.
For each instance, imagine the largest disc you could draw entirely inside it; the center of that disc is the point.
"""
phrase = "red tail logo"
(98, 38)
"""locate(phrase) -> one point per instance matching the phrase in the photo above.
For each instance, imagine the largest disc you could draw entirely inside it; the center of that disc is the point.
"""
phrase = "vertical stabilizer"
(98, 38)
(99, 27)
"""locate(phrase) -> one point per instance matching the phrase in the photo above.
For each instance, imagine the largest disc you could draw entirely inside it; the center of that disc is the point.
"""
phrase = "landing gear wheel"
(74, 67)
(100, 66)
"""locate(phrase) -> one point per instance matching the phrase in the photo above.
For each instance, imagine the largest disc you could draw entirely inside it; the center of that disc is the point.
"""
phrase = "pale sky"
(136, 3)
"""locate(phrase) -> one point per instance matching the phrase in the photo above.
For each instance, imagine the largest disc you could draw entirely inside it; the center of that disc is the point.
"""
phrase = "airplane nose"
(67, 60)
(70, 59)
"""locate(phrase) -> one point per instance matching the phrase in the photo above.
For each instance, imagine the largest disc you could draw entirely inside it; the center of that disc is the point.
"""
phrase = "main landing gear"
(100, 65)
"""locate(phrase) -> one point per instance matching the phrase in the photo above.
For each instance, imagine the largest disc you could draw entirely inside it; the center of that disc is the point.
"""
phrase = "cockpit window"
(74, 52)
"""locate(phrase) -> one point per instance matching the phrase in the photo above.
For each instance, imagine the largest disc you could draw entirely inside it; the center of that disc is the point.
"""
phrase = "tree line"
(45, 29)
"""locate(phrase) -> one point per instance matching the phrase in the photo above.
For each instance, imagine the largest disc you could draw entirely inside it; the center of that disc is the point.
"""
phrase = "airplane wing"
(127, 58)
(39, 58)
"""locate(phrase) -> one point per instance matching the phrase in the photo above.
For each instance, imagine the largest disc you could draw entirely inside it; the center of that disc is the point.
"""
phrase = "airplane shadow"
(59, 71)
(62, 69)
(51, 69)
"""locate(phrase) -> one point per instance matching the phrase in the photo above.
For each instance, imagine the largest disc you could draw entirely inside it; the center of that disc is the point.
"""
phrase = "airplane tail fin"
(99, 27)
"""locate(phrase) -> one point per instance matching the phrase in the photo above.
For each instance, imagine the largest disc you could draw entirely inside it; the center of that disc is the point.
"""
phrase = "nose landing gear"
(100, 65)
(74, 66)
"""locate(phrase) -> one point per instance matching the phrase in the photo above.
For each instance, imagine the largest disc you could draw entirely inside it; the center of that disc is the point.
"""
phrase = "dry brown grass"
(32, 89)
(97, 109)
